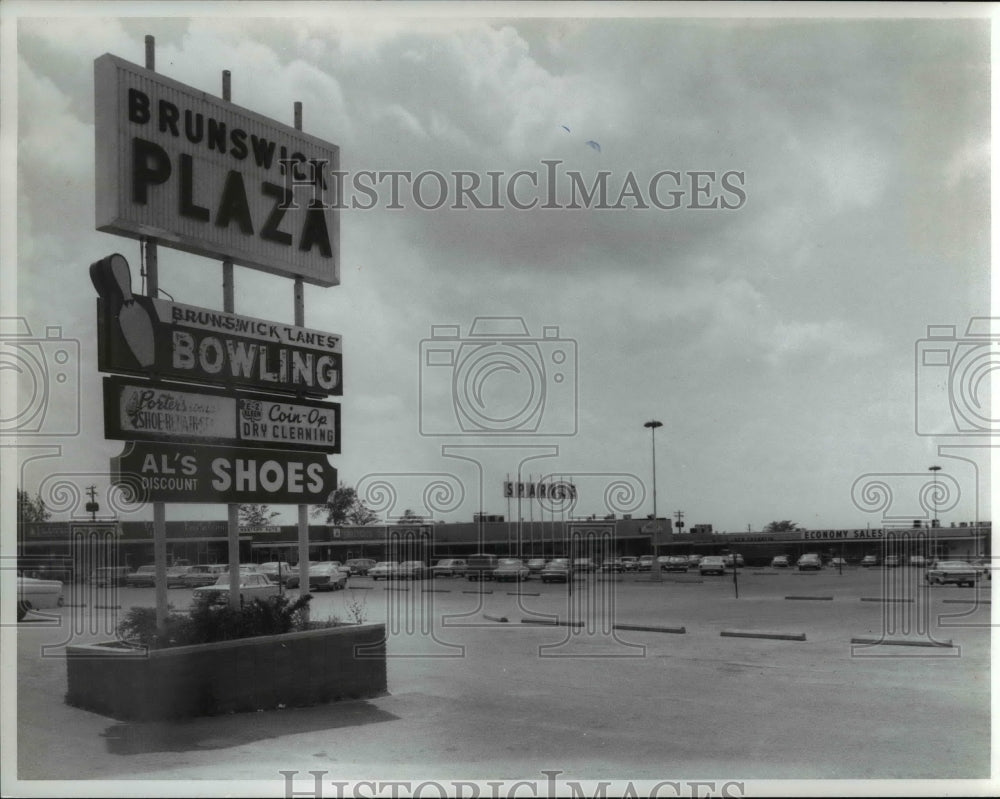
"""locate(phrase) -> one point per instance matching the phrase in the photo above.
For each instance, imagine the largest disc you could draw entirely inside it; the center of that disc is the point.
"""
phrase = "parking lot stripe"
(973, 599)
(830, 598)
(477, 592)
(501, 619)
(647, 629)
(884, 599)
(901, 642)
(553, 622)
(752, 634)
(437, 590)
(520, 593)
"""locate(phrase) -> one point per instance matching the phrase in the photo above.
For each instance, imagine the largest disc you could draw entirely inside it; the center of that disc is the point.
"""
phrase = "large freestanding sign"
(201, 174)
(191, 473)
(142, 410)
(149, 336)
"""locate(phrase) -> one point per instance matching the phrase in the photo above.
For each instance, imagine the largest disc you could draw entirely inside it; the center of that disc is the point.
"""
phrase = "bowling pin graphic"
(112, 278)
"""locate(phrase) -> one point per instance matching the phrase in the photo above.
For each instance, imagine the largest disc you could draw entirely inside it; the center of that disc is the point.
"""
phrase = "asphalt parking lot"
(622, 678)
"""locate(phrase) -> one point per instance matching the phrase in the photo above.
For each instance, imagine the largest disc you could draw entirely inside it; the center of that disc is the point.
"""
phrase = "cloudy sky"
(777, 341)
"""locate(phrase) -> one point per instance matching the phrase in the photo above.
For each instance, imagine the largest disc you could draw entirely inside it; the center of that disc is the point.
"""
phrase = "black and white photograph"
(493, 400)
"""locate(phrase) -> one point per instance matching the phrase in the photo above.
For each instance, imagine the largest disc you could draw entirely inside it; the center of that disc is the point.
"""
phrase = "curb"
(644, 628)
(828, 598)
(901, 642)
(774, 636)
(552, 622)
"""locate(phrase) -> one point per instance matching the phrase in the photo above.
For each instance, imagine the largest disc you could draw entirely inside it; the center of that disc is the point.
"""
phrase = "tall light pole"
(655, 567)
(935, 469)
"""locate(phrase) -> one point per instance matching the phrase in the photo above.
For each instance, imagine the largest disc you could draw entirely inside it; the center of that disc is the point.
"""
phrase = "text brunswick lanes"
(217, 348)
(157, 472)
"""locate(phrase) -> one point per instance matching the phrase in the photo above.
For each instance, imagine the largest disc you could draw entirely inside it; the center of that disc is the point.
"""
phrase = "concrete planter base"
(247, 674)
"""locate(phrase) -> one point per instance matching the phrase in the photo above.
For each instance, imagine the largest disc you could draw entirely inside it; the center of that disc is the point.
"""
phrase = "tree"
(784, 526)
(345, 507)
(31, 510)
(256, 515)
(409, 517)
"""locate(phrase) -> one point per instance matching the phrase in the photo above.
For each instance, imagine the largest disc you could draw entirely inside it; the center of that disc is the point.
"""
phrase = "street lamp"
(655, 568)
(935, 469)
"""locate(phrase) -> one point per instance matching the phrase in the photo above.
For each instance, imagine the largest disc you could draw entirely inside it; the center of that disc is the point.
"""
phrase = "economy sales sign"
(206, 176)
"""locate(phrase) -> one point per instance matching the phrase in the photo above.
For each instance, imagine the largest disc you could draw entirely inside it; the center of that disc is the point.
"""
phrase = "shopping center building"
(207, 541)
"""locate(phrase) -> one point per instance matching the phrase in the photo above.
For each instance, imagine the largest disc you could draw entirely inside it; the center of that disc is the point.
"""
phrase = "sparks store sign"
(204, 175)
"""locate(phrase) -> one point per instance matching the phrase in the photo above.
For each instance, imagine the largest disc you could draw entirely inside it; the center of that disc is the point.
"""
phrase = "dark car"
(556, 571)
(144, 575)
(810, 561)
(536, 565)
(675, 563)
(449, 567)
(511, 569)
(480, 567)
(359, 566)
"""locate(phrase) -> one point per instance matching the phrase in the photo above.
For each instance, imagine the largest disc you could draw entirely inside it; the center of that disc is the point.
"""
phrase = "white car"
(33, 594)
(252, 586)
(384, 570)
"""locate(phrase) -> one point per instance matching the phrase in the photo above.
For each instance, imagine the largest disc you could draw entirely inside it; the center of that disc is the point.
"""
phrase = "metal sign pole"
(159, 508)
(233, 509)
(300, 320)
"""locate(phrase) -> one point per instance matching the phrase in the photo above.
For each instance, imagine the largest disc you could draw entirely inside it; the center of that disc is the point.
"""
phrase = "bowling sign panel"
(160, 338)
(142, 410)
(161, 472)
(207, 176)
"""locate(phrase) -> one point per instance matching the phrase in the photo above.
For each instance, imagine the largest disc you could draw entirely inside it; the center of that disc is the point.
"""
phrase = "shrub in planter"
(218, 660)
(211, 621)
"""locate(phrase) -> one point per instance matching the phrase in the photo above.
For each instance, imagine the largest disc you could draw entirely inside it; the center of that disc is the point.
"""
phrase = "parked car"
(511, 569)
(630, 562)
(984, 567)
(413, 570)
(646, 563)
(613, 566)
(252, 586)
(892, 561)
(480, 567)
(584, 565)
(383, 570)
(449, 567)
(556, 570)
(204, 574)
(809, 560)
(779, 562)
(322, 577)
(869, 560)
(535, 565)
(675, 563)
(277, 571)
(959, 572)
(729, 560)
(109, 575)
(694, 560)
(35, 594)
(177, 575)
(359, 566)
(144, 575)
(918, 560)
(712, 564)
